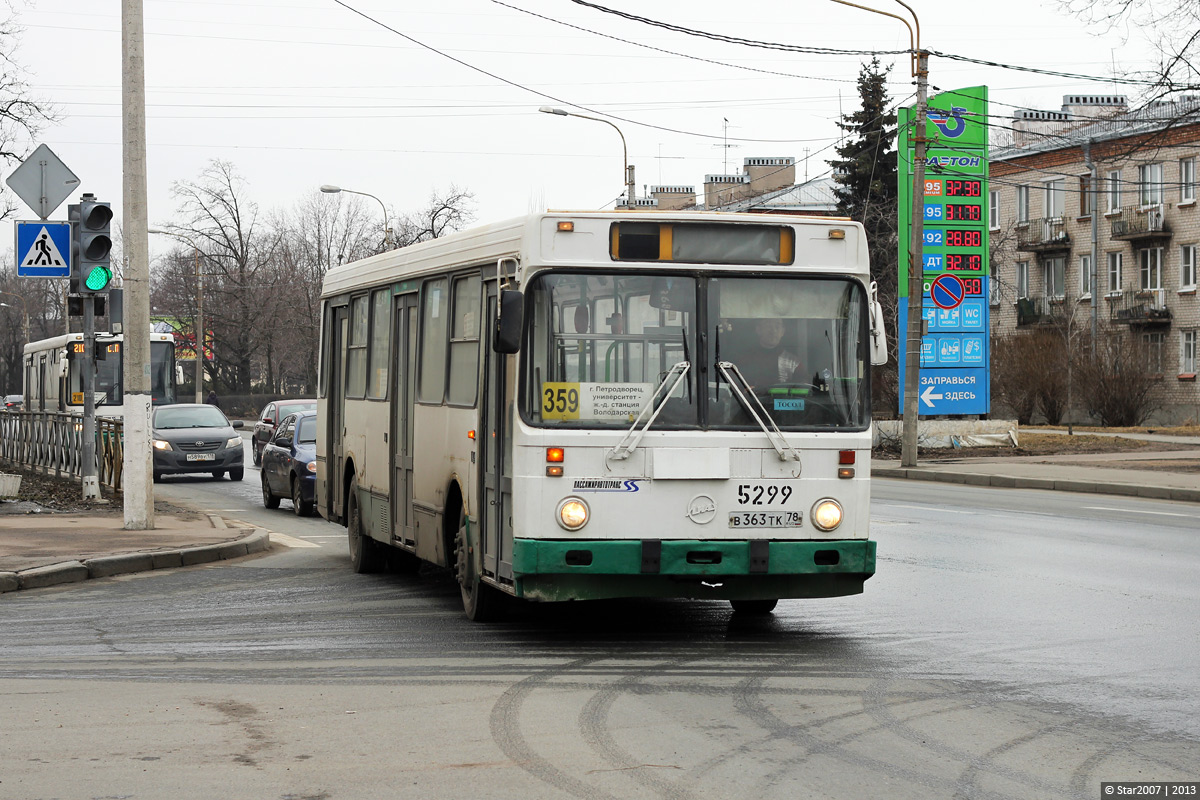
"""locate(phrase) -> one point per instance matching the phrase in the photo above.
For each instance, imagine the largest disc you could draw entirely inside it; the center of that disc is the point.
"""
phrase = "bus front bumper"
(556, 570)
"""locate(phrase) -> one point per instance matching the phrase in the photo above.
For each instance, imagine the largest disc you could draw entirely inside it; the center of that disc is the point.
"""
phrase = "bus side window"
(381, 325)
(434, 329)
(464, 342)
(356, 372)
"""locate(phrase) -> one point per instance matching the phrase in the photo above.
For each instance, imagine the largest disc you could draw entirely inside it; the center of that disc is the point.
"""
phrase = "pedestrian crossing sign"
(43, 249)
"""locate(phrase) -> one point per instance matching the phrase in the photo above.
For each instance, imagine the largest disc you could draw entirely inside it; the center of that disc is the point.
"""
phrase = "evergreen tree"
(867, 192)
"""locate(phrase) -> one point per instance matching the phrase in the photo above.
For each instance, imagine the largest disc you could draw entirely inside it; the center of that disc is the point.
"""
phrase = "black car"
(289, 463)
(14, 402)
(264, 428)
(196, 437)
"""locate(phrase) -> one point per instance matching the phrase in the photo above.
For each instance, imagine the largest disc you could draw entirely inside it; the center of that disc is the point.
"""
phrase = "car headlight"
(572, 513)
(234, 442)
(826, 514)
(311, 466)
(160, 444)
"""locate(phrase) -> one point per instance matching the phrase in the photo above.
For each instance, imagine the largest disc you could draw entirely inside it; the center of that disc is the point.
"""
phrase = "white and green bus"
(573, 406)
(53, 373)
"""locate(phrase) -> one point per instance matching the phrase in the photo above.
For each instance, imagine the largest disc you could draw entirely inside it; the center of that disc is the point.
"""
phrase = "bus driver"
(770, 363)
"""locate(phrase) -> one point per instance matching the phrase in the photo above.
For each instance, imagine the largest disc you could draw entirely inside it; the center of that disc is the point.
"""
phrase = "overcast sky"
(304, 92)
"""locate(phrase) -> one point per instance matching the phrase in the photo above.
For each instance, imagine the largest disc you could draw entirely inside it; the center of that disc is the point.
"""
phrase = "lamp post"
(916, 294)
(329, 188)
(24, 311)
(198, 347)
(630, 184)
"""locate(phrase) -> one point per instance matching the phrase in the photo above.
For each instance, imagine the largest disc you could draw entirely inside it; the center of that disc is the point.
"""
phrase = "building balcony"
(1043, 235)
(1039, 310)
(1140, 222)
(1139, 307)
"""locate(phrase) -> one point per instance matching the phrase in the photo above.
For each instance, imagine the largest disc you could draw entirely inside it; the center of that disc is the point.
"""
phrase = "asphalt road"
(1014, 644)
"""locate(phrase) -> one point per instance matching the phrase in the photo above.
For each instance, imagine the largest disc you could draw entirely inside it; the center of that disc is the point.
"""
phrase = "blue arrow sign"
(43, 249)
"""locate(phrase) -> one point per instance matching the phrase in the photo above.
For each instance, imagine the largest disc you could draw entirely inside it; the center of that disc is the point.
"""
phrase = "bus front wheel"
(364, 552)
(481, 602)
(753, 607)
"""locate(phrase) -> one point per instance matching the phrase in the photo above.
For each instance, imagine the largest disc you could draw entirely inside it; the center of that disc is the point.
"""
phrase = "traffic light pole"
(916, 274)
(87, 469)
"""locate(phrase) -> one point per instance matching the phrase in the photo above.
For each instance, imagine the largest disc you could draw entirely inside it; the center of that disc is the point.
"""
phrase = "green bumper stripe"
(691, 557)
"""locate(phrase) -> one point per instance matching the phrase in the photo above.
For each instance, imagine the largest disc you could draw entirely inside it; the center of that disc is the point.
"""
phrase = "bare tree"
(445, 213)
(240, 297)
(22, 114)
(1171, 27)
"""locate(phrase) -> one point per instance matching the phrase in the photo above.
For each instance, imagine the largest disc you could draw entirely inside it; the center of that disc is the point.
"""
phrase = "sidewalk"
(38, 550)
(47, 549)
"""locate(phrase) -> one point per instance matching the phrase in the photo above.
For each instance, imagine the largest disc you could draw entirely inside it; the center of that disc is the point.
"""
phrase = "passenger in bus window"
(770, 362)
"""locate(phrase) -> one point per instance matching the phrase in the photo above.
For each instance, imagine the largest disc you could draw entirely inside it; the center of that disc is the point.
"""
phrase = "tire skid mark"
(874, 705)
(968, 781)
(750, 703)
(505, 724)
(1083, 782)
(593, 724)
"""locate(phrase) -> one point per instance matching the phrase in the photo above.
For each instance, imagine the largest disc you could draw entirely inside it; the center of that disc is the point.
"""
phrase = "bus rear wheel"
(481, 602)
(753, 607)
(364, 552)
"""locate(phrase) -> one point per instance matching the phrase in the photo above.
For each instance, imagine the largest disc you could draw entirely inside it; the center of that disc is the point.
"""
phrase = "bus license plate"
(765, 519)
(201, 457)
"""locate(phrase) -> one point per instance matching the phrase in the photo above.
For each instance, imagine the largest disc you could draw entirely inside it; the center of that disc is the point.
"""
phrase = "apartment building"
(1093, 215)
(766, 185)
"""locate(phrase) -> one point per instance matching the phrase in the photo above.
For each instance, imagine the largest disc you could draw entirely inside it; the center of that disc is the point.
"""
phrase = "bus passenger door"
(495, 515)
(334, 464)
(404, 388)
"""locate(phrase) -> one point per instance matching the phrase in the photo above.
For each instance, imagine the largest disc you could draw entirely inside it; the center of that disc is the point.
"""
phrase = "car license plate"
(765, 519)
(201, 457)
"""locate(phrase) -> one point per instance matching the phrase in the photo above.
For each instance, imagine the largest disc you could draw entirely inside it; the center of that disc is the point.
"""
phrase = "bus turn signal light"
(565, 226)
(554, 455)
(554, 472)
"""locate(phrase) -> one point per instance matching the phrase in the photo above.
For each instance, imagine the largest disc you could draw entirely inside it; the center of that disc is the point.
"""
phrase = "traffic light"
(94, 243)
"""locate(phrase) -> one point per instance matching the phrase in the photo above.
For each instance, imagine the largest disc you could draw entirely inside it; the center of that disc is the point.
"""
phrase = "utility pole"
(916, 285)
(138, 466)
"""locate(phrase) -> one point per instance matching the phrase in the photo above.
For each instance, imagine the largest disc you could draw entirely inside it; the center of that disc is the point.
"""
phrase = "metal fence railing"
(51, 443)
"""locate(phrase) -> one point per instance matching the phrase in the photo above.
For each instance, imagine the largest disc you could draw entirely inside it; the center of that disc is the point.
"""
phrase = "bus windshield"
(599, 345)
(109, 387)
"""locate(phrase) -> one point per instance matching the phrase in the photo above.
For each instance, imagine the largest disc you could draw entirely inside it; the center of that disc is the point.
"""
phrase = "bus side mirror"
(63, 366)
(178, 374)
(879, 350)
(509, 318)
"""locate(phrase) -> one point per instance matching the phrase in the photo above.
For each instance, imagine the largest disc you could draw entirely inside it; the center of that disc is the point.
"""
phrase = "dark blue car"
(289, 463)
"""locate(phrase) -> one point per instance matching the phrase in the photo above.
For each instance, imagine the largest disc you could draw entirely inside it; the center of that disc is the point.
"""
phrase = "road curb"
(1015, 482)
(256, 541)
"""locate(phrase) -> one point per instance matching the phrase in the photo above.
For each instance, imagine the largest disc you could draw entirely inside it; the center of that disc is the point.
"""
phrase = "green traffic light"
(98, 278)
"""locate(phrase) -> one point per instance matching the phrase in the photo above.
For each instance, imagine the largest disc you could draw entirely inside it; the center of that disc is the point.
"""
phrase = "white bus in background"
(53, 374)
(590, 405)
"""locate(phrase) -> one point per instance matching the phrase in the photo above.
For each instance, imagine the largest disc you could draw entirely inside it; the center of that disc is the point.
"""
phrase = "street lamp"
(198, 347)
(329, 188)
(629, 182)
(24, 311)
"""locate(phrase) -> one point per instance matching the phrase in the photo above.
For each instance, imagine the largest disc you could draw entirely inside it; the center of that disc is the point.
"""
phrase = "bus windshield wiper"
(741, 390)
(633, 436)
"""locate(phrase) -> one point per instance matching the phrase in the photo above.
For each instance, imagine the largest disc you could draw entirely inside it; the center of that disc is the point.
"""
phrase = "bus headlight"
(160, 444)
(572, 513)
(827, 514)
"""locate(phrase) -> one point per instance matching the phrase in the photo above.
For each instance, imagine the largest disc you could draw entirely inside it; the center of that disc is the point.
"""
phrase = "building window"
(1022, 279)
(1114, 272)
(994, 210)
(1150, 184)
(1085, 195)
(1085, 276)
(1056, 275)
(993, 291)
(1187, 266)
(1187, 179)
(1187, 353)
(1114, 190)
(1056, 196)
(379, 355)
(356, 357)
(1150, 268)
(1022, 204)
(1154, 351)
